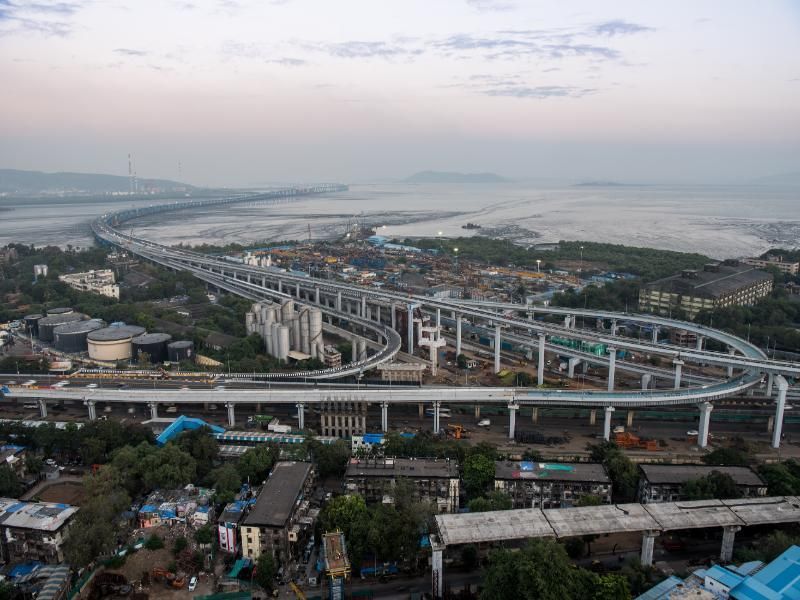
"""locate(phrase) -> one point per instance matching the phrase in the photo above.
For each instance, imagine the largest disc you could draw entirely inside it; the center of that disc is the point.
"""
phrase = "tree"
(180, 545)
(265, 570)
(332, 458)
(33, 464)
(10, 486)
(783, 479)
(496, 500)
(715, 485)
(726, 457)
(202, 447)
(204, 535)
(767, 548)
(622, 471)
(255, 464)
(461, 361)
(226, 482)
(478, 474)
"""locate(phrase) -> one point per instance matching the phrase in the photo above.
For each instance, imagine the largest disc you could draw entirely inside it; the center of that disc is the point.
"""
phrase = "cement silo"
(273, 338)
(283, 342)
(63, 310)
(113, 343)
(32, 324)
(315, 333)
(305, 340)
(71, 337)
(153, 344)
(180, 350)
(48, 324)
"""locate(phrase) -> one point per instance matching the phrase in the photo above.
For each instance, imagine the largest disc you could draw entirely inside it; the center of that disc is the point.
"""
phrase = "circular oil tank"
(154, 344)
(111, 344)
(48, 324)
(64, 310)
(180, 350)
(71, 337)
(32, 324)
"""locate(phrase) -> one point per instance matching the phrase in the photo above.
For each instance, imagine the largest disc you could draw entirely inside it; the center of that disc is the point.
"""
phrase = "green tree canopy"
(715, 485)
(478, 474)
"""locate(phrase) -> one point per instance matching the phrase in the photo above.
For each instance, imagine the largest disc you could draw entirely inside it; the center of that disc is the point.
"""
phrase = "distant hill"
(13, 181)
(782, 179)
(452, 177)
(600, 184)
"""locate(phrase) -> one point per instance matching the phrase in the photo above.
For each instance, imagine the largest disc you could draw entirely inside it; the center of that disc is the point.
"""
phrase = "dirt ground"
(66, 492)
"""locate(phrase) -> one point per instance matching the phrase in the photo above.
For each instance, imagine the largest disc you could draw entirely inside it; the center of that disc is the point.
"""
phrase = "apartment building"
(435, 481)
(551, 485)
(34, 531)
(775, 261)
(100, 281)
(281, 519)
(664, 483)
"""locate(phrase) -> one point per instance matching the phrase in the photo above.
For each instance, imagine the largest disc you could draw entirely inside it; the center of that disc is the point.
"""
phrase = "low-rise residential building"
(281, 519)
(725, 284)
(192, 505)
(13, 456)
(331, 357)
(551, 485)
(775, 261)
(364, 445)
(432, 480)
(664, 483)
(100, 281)
(445, 290)
(229, 522)
(34, 531)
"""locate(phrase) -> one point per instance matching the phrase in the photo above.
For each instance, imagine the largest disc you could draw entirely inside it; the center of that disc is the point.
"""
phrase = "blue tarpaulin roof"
(180, 425)
(24, 569)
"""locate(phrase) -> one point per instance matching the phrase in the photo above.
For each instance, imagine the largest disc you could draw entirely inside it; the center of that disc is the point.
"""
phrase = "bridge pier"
(609, 411)
(153, 409)
(410, 328)
(731, 351)
(728, 537)
(612, 366)
(571, 364)
(593, 416)
(629, 418)
(92, 412)
(297, 290)
(770, 383)
(436, 405)
(301, 415)
(363, 307)
(458, 333)
(678, 366)
(699, 345)
(780, 407)
(384, 416)
(535, 415)
(437, 567)
(614, 327)
(280, 286)
(497, 344)
(705, 419)
(231, 414)
(42, 408)
(393, 316)
(421, 409)
(655, 334)
(477, 411)
(648, 543)
(377, 313)
(339, 301)
(512, 419)
(646, 378)
(316, 294)
(540, 364)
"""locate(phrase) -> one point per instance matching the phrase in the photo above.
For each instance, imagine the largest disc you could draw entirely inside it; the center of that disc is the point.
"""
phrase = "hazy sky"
(241, 92)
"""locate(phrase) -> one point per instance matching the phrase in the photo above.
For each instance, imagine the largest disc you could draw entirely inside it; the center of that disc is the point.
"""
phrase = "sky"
(247, 92)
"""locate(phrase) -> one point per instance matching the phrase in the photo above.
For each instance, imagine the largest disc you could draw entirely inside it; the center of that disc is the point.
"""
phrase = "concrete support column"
(646, 378)
(297, 290)
(354, 350)
(648, 543)
(393, 316)
(231, 406)
(571, 364)
(540, 364)
(512, 419)
(567, 319)
(301, 415)
(614, 327)
(728, 537)
(438, 318)
(437, 567)
(477, 411)
(497, 344)
(92, 412)
(458, 333)
(42, 408)
(316, 294)
(612, 367)
(384, 416)
(770, 383)
(280, 286)
(421, 408)
(780, 406)
(377, 313)
(705, 419)
(655, 334)
(629, 418)
(436, 406)
(731, 351)
(153, 410)
(770, 423)
(593, 416)
(609, 411)
(535, 415)
(410, 326)
(339, 301)
(363, 307)
(368, 316)
(699, 345)
(678, 367)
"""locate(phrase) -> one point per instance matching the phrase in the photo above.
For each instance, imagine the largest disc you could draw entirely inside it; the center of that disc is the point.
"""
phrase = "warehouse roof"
(679, 474)
(593, 472)
(41, 516)
(402, 467)
(279, 495)
(722, 280)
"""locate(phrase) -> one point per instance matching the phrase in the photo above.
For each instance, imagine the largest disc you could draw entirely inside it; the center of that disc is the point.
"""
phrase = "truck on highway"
(259, 421)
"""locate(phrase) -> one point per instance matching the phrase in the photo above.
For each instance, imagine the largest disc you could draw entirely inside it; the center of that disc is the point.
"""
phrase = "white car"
(192, 583)
(484, 423)
(91, 386)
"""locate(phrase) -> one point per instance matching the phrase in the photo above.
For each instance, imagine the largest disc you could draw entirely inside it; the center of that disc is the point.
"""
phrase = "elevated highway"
(372, 313)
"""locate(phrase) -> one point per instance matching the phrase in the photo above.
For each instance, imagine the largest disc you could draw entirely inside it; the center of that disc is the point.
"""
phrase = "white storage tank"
(113, 343)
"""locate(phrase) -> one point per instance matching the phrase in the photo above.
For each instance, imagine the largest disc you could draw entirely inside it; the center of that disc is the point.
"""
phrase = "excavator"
(297, 591)
(458, 432)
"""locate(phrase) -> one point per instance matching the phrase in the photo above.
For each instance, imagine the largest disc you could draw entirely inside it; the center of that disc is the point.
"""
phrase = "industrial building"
(281, 520)
(113, 343)
(551, 485)
(286, 330)
(152, 344)
(100, 281)
(664, 483)
(33, 531)
(180, 350)
(723, 284)
(434, 481)
(46, 325)
(776, 262)
(32, 324)
(72, 337)
(343, 417)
